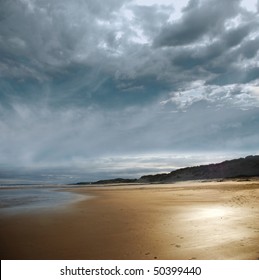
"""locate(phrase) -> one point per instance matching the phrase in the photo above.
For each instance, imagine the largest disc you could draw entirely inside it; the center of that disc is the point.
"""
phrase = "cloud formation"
(83, 81)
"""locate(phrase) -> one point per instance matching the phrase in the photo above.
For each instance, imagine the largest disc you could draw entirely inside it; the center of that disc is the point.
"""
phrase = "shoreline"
(209, 220)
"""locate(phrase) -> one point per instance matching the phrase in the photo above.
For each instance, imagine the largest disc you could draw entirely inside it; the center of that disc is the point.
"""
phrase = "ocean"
(29, 198)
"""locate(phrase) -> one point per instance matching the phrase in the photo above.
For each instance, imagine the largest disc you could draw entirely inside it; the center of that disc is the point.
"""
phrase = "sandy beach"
(200, 220)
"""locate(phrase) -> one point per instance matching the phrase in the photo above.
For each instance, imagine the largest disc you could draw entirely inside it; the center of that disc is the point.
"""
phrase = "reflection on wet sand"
(223, 228)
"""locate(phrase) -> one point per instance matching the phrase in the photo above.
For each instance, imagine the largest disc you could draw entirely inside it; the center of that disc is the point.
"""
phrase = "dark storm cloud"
(82, 82)
(44, 39)
(200, 18)
(81, 52)
(224, 57)
(206, 44)
(42, 36)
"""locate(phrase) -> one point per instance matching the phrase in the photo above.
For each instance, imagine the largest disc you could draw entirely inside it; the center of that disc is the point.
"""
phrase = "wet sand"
(209, 220)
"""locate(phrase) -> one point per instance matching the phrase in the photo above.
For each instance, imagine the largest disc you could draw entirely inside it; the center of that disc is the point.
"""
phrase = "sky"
(93, 89)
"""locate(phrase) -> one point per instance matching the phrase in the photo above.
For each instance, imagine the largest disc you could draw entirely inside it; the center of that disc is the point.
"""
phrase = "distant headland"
(242, 168)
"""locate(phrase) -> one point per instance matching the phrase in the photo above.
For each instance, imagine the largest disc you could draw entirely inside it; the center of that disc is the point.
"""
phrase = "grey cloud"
(200, 18)
(211, 128)
(250, 48)
(236, 36)
(45, 35)
(53, 36)
(236, 75)
(222, 59)
(79, 84)
(251, 75)
(41, 136)
(151, 18)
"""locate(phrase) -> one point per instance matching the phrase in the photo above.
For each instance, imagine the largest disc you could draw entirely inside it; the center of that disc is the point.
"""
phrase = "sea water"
(20, 199)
